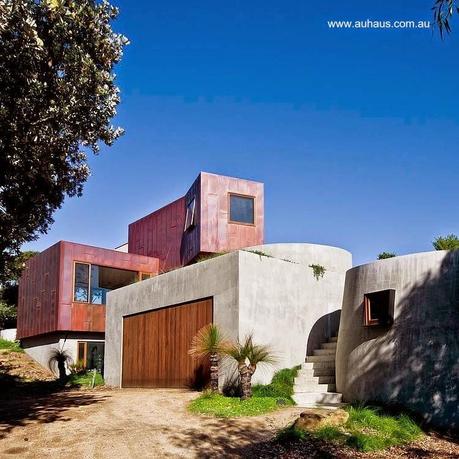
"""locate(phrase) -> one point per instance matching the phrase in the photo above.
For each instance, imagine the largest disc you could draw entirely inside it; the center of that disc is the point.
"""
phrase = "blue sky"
(354, 132)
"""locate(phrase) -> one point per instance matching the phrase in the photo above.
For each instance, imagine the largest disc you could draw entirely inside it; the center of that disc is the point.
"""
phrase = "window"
(190, 214)
(242, 209)
(93, 282)
(144, 276)
(81, 290)
(379, 308)
(91, 354)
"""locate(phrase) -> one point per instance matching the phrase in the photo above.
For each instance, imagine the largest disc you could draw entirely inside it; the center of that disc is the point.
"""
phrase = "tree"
(210, 343)
(248, 356)
(61, 358)
(57, 97)
(449, 242)
(443, 13)
(384, 255)
(9, 289)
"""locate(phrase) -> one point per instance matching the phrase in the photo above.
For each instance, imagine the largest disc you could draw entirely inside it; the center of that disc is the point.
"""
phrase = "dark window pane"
(242, 209)
(81, 282)
(190, 214)
(105, 279)
(145, 276)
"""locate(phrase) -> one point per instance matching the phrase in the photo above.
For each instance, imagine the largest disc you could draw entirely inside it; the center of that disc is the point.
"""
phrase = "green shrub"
(85, 379)
(12, 346)
(290, 434)
(370, 429)
(281, 385)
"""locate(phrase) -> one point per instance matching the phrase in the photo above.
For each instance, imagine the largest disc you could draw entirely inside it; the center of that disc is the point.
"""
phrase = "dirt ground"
(143, 423)
(128, 424)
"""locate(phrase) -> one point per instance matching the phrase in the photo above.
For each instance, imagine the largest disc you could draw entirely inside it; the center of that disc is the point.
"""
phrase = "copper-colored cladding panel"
(218, 234)
(161, 234)
(156, 344)
(46, 288)
(39, 293)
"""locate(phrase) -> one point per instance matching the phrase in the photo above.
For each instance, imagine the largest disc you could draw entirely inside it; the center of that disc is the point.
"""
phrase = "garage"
(156, 344)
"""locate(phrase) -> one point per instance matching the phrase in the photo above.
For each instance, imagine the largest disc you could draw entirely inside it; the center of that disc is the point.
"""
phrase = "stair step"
(321, 358)
(325, 352)
(313, 387)
(319, 365)
(333, 339)
(323, 371)
(311, 377)
(329, 345)
(313, 398)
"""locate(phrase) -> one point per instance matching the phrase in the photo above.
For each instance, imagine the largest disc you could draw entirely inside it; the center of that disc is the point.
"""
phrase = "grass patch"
(225, 407)
(367, 429)
(85, 379)
(12, 346)
(281, 385)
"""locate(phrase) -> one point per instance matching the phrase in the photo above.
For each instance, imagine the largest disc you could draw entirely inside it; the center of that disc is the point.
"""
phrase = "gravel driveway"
(127, 423)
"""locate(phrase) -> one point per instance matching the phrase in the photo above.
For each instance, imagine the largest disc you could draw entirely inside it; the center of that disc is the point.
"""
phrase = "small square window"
(379, 308)
(242, 209)
(190, 214)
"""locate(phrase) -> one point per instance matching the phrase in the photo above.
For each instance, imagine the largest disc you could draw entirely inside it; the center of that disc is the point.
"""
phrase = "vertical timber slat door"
(156, 344)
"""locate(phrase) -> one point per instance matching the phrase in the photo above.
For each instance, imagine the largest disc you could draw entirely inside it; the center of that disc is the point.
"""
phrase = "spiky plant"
(59, 357)
(248, 355)
(210, 342)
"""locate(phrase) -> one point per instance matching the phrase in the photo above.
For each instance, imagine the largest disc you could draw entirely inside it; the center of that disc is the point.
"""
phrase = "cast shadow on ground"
(24, 401)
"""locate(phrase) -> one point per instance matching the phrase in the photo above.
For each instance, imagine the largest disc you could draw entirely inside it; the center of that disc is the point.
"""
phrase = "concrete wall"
(216, 277)
(8, 333)
(415, 361)
(279, 301)
(284, 305)
(40, 347)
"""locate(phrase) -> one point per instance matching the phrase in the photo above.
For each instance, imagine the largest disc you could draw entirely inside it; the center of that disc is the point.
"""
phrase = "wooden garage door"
(156, 344)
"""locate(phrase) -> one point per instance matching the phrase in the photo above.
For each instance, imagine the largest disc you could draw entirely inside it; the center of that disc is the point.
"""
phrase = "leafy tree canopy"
(384, 255)
(449, 242)
(57, 97)
(443, 14)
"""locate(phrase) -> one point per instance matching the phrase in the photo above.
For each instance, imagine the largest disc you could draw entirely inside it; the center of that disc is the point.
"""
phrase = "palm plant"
(248, 355)
(59, 357)
(210, 343)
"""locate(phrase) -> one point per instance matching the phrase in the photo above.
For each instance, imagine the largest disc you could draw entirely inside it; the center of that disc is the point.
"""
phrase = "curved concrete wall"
(415, 361)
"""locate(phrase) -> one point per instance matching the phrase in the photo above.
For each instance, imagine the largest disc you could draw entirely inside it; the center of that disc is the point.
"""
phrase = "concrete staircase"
(315, 383)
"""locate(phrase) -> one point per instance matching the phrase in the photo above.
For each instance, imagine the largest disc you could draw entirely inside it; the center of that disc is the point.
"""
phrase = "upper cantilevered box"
(217, 214)
(64, 287)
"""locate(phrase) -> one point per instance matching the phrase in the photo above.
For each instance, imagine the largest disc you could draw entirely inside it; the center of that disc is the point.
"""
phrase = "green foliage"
(291, 434)
(318, 271)
(281, 385)
(12, 346)
(443, 13)
(384, 255)
(77, 368)
(209, 256)
(248, 351)
(221, 406)
(8, 315)
(85, 379)
(209, 340)
(58, 96)
(449, 242)
(369, 429)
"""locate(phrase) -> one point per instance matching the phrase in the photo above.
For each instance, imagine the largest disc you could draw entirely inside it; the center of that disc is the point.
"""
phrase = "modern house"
(63, 290)
(386, 331)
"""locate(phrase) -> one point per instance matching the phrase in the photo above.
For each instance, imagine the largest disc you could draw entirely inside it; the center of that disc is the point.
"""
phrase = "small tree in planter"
(211, 343)
(248, 355)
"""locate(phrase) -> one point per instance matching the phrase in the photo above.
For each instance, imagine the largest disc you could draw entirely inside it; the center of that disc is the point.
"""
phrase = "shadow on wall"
(326, 327)
(415, 362)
